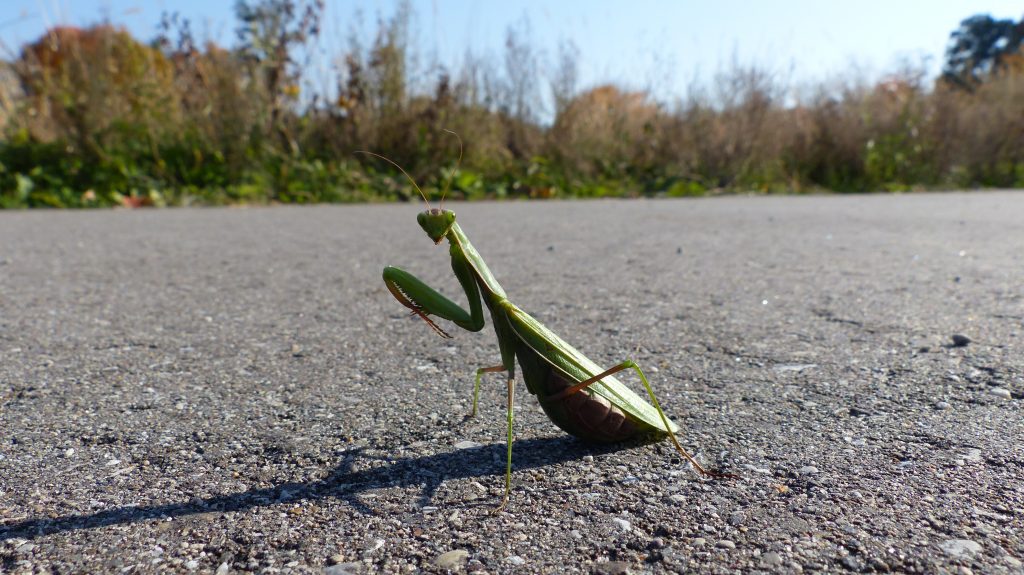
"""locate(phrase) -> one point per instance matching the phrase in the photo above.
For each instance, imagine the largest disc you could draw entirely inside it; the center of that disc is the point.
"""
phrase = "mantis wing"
(570, 361)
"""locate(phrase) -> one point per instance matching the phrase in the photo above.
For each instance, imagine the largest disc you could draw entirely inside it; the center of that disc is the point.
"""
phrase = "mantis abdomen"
(585, 415)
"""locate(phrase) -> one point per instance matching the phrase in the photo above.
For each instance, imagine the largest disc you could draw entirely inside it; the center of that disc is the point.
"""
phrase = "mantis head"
(436, 222)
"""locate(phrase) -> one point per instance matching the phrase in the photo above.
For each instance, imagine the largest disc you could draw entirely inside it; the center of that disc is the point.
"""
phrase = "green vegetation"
(93, 117)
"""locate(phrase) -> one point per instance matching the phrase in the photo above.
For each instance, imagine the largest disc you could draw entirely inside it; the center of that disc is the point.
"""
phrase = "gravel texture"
(234, 390)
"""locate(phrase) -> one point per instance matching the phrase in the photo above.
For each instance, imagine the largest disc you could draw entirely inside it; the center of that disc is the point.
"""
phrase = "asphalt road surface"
(234, 390)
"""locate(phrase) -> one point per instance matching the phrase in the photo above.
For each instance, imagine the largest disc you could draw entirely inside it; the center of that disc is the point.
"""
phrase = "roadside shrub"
(93, 117)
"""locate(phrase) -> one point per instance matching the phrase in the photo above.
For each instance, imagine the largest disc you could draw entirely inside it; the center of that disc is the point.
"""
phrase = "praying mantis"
(576, 394)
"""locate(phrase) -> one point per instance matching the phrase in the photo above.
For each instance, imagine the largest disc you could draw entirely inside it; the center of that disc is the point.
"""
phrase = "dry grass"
(98, 117)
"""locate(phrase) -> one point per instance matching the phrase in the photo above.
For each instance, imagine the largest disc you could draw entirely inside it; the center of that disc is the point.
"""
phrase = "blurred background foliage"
(95, 117)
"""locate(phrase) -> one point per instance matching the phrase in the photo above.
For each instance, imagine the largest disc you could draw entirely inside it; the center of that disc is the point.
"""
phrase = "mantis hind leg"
(654, 401)
(476, 388)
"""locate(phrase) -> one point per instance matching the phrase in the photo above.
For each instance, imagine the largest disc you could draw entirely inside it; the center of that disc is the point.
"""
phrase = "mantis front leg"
(424, 300)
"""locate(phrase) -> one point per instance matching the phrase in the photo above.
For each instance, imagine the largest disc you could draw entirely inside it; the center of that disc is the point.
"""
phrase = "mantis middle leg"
(476, 388)
(508, 464)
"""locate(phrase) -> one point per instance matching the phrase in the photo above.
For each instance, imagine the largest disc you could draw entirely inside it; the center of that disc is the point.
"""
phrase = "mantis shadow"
(344, 482)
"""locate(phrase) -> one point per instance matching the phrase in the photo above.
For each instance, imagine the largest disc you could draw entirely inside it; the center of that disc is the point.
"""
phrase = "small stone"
(972, 454)
(223, 569)
(657, 543)
(960, 547)
(588, 458)
(769, 560)
(736, 518)
(516, 560)
(725, 544)
(335, 559)
(352, 568)
(677, 498)
(1000, 392)
(699, 542)
(611, 568)
(960, 340)
(191, 565)
(852, 563)
(622, 524)
(942, 405)
(378, 543)
(466, 444)
(452, 560)
(808, 470)
(25, 548)
(795, 367)
(879, 565)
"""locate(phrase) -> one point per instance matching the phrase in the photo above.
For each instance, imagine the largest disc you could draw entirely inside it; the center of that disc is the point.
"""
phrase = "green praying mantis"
(576, 394)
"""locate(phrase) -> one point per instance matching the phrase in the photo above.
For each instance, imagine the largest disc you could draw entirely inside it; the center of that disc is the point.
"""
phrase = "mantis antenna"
(451, 176)
(388, 160)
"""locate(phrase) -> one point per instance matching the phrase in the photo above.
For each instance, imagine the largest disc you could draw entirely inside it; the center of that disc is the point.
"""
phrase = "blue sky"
(635, 43)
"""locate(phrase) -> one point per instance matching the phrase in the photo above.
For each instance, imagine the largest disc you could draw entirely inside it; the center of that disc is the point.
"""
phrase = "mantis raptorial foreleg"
(424, 300)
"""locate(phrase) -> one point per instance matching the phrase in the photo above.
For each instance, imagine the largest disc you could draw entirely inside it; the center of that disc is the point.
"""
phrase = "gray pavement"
(233, 390)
